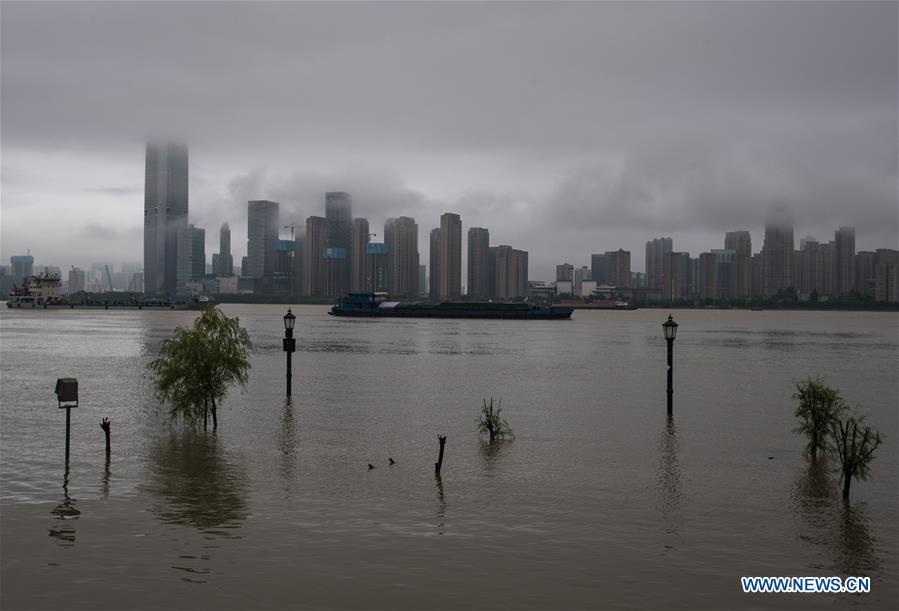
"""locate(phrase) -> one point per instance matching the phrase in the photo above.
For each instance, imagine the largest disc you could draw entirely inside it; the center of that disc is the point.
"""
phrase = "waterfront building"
(434, 258)
(511, 273)
(827, 269)
(422, 280)
(708, 276)
(359, 254)
(581, 274)
(655, 253)
(619, 268)
(313, 257)
(777, 253)
(77, 280)
(401, 237)
(478, 263)
(810, 268)
(676, 276)
(136, 283)
(339, 219)
(20, 267)
(225, 265)
(244, 267)
(844, 260)
(165, 212)
(865, 265)
(376, 267)
(191, 257)
(740, 268)
(886, 275)
(599, 268)
(262, 234)
(565, 272)
(284, 269)
(450, 256)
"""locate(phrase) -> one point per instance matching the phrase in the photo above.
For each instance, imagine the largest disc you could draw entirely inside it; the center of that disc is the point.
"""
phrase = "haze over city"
(566, 129)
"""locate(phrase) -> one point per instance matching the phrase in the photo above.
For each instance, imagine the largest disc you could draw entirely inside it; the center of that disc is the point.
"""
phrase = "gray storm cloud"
(564, 128)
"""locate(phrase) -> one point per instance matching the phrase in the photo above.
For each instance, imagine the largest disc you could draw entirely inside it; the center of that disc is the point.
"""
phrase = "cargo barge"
(378, 305)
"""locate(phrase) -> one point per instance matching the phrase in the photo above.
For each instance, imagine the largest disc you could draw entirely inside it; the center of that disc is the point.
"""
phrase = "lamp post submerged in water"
(290, 344)
(670, 329)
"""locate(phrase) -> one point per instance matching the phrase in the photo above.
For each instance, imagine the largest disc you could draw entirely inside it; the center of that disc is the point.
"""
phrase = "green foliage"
(853, 443)
(819, 406)
(491, 421)
(198, 364)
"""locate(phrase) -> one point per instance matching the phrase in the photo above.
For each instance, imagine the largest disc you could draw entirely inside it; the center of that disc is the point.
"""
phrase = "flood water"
(598, 502)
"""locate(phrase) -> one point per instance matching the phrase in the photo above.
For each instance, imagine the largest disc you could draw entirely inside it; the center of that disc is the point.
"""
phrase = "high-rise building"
(740, 272)
(738, 241)
(359, 255)
(77, 280)
(376, 267)
(450, 256)
(599, 268)
(284, 270)
(165, 211)
(191, 257)
(339, 218)
(478, 263)
(865, 265)
(886, 275)
(401, 237)
(655, 252)
(828, 256)
(511, 272)
(225, 260)
(676, 275)
(262, 234)
(844, 260)
(777, 253)
(434, 254)
(422, 280)
(708, 276)
(810, 267)
(20, 267)
(619, 268)
(565, 272)
(316, 243)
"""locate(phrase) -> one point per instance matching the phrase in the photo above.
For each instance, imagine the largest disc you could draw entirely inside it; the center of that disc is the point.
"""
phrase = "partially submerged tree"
(819, 406)
(853, 444)
(198, 364)
(491, 421)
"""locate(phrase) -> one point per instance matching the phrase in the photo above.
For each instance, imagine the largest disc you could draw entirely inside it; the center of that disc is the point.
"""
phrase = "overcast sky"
(566, 129)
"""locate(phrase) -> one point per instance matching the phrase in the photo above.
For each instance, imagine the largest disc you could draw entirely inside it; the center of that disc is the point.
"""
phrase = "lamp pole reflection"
(669, 482)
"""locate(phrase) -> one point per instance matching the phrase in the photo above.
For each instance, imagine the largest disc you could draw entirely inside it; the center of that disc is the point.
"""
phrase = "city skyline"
(601, 141)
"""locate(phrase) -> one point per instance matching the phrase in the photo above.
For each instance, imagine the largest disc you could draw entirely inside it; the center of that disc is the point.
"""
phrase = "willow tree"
(819, 406)
(853, 444)
(198, 364)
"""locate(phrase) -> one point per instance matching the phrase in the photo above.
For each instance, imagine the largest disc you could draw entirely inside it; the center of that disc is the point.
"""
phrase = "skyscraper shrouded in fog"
(339, 221)
(450, 256)
(315, 244)
(777, 253)
(434, 282)
(165, 211)
(225, 260)
(844, 260)
(262, 234)
(478, 263)
(359, 255)
(191, 258)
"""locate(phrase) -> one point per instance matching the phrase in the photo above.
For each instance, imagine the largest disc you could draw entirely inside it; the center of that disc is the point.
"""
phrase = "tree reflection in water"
(839, 526)
(199, 486)
(668, 482)
(65, 511)
(441, 506)
(491, 453)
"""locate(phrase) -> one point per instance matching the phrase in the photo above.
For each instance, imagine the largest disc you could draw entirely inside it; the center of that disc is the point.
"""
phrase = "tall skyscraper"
(191, 257)
(740, 273)
(339, 219)
(619, 268)
(262, 234)
(777, 253)
(676, 275)
(377, 267)
(511, 272)
(655, 253)
(844, 260)
(359, 255)
(165, 211)
(225, 260)
(316, 243)
(565, 272)
(20, 267)
(401, 238)
(434, 254)
(478, 263)
(599, 268)
(450, 256)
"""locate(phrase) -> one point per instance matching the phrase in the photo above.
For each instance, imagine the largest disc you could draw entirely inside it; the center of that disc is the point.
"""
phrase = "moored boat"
(378, 305)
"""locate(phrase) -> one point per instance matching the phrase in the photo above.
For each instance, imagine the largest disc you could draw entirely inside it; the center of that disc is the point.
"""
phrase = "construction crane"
(108, 277)
(291, 227)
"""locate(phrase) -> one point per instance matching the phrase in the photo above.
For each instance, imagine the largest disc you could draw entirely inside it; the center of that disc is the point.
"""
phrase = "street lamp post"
(670, 329)
(290, 344)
